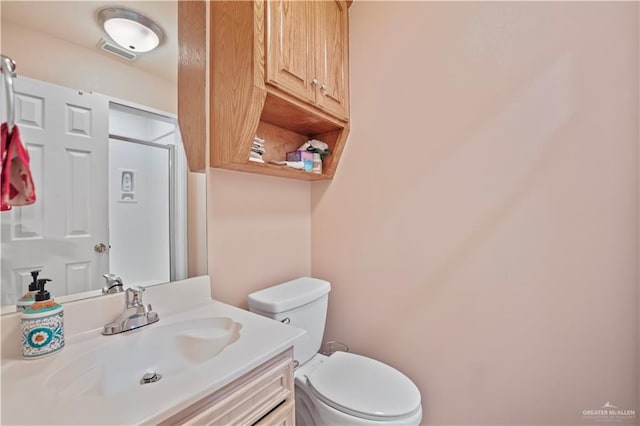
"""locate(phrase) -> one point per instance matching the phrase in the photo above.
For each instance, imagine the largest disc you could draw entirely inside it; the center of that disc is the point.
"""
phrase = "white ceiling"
(77, 22)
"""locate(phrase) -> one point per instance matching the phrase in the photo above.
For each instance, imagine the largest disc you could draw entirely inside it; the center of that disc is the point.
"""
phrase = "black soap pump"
(29, 297)
(42, 293)
(42, 325)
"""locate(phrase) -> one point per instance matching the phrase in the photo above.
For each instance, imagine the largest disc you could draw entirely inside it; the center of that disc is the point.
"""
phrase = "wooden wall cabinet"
(264, 396)
(307, 52)
(332, 57)
(279, 70)
(289, 48)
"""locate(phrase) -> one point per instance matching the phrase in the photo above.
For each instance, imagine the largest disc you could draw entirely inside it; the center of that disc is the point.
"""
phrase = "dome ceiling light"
(131, 30)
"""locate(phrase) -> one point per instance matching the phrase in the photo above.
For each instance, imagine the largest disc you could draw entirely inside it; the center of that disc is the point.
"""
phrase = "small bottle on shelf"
(317, 163)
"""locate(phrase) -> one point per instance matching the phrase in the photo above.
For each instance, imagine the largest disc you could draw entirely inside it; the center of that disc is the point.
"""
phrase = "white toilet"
(343, 388)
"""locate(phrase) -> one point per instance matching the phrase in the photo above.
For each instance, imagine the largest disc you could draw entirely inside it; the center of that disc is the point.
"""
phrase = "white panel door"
(66, 133)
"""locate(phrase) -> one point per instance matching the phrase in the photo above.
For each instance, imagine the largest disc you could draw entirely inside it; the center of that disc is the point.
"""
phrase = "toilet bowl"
(342, 388)
(349, 389)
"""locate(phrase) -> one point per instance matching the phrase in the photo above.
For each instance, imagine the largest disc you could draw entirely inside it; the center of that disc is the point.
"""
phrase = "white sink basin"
(198, 346)
(164, 349)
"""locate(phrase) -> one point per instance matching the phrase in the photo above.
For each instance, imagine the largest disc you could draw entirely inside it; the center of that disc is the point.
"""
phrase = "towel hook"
(8, 67)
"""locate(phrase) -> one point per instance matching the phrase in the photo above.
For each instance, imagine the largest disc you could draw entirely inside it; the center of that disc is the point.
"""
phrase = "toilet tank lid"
(289, 295)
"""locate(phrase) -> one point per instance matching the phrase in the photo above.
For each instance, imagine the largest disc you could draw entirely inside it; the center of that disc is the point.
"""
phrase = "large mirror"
(114, 194)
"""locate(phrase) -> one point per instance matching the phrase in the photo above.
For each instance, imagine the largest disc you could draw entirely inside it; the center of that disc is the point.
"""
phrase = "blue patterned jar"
(42, 326)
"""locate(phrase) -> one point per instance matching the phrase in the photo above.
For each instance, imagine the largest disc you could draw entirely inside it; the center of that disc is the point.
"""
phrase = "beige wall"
(259, 232)
(481, 233)
(57, 61)
(197, 224)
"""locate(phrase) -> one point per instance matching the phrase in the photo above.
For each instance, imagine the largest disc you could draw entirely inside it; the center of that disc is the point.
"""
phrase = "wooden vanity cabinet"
(278, 70)
(264, 396)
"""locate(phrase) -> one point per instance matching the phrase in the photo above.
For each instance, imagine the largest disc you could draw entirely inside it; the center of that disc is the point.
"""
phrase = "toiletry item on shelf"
(316, 146)
(305, 157)
(254, 156)
(30, 296)
(299, 165)
(42, 325)
(308, 165)
(299, 156)
(317, 163)
(257, 150)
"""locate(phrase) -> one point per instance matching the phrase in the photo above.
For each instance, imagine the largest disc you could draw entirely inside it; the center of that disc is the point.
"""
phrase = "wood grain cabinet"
(262, 397)
(307, 52)
(290, 63)
(279, 70)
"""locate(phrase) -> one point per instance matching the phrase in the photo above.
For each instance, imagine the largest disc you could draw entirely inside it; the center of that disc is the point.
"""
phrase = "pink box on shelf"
(300, 156)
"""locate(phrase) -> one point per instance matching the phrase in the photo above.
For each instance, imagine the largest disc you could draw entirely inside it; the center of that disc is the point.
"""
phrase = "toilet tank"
(302, 303)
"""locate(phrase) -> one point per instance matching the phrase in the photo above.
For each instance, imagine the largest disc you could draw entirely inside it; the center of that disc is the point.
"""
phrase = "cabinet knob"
(323, 87)
(314, 82)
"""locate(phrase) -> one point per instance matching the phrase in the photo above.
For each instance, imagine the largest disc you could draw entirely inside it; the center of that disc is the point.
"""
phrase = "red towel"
(16, 186)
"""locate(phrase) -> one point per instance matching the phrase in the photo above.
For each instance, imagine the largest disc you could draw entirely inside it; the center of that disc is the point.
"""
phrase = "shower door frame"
(172, 193)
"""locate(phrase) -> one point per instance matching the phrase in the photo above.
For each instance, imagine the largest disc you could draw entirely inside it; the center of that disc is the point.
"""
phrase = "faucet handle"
(113, 285)
(133, 296)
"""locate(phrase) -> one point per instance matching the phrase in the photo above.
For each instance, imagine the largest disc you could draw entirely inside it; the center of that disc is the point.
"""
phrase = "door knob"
(100, 248)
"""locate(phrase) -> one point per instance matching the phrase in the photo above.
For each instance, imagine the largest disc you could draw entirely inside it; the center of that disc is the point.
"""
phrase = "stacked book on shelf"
(257, 150)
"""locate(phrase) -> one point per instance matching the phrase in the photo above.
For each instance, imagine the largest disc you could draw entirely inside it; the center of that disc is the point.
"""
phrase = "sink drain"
(150, 378)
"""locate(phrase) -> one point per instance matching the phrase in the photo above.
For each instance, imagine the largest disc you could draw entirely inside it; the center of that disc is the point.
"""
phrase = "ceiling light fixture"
(131, 30)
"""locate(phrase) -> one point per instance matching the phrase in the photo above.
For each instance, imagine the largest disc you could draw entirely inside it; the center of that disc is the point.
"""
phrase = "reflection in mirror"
(114, 194)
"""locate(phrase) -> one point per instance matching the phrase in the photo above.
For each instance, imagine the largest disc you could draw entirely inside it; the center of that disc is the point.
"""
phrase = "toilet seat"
(363, 387)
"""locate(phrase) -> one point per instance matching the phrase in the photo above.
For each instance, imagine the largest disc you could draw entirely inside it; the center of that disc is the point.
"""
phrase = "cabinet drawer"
(246, 400)
(281, 416)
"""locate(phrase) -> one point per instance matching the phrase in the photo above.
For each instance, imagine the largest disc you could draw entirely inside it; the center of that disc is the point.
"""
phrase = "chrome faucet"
(136, 314)
(113, 284)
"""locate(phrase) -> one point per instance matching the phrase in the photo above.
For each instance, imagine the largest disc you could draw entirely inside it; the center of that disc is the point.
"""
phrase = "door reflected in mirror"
(114, 194)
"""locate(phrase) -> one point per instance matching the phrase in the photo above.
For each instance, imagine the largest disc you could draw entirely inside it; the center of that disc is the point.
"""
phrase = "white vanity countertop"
(28, 398)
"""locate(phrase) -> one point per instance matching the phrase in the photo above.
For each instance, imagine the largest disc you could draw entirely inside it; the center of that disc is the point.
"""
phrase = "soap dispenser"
(30, 296)
(42, 325)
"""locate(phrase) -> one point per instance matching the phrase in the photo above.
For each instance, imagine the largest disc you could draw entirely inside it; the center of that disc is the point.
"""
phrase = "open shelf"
(279, 171)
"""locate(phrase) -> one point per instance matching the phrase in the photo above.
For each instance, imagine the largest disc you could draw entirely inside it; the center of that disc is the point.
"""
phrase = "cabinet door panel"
(332, 50)
(289, 63)
(266, 392)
